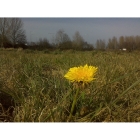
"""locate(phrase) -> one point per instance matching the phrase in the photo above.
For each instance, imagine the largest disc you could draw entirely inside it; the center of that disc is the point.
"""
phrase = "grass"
(33, 87)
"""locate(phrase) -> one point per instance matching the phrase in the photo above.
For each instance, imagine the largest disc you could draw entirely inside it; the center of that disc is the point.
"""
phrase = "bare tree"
(78, 40)
(61, 37)
(4, 30)
(112, 44)
(115, 43)
(17, 34)
(43, 44)
(11, 31)
(100, 44)
(137, 42)
(121, 42)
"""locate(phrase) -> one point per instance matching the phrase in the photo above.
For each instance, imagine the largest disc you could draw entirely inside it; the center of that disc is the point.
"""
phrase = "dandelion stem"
(73, 104)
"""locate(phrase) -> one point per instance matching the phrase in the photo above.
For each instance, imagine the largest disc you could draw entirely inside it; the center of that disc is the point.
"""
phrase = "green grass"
(33, 87)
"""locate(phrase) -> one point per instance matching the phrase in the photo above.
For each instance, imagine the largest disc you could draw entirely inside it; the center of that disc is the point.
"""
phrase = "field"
(33, 87)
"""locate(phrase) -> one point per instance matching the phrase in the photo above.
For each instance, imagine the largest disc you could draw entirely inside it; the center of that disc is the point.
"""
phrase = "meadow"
(33, 87)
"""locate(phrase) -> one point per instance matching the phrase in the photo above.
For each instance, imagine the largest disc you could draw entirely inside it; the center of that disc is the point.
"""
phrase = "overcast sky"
(90, 29)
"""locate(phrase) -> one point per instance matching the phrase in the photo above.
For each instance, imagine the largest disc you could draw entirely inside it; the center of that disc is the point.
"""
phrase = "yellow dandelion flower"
(84, 74)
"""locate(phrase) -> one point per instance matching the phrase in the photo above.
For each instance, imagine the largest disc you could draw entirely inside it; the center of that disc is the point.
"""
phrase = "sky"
(90, 29)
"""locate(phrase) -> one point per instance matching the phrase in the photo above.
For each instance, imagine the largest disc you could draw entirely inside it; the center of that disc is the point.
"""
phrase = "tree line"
(12, 34)
(130, 43)
(63, 42)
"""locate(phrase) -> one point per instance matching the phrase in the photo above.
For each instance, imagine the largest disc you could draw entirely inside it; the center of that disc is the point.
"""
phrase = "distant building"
(123, 49)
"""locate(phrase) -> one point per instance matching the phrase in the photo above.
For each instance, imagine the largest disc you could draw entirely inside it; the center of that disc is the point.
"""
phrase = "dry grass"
(34, 82)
